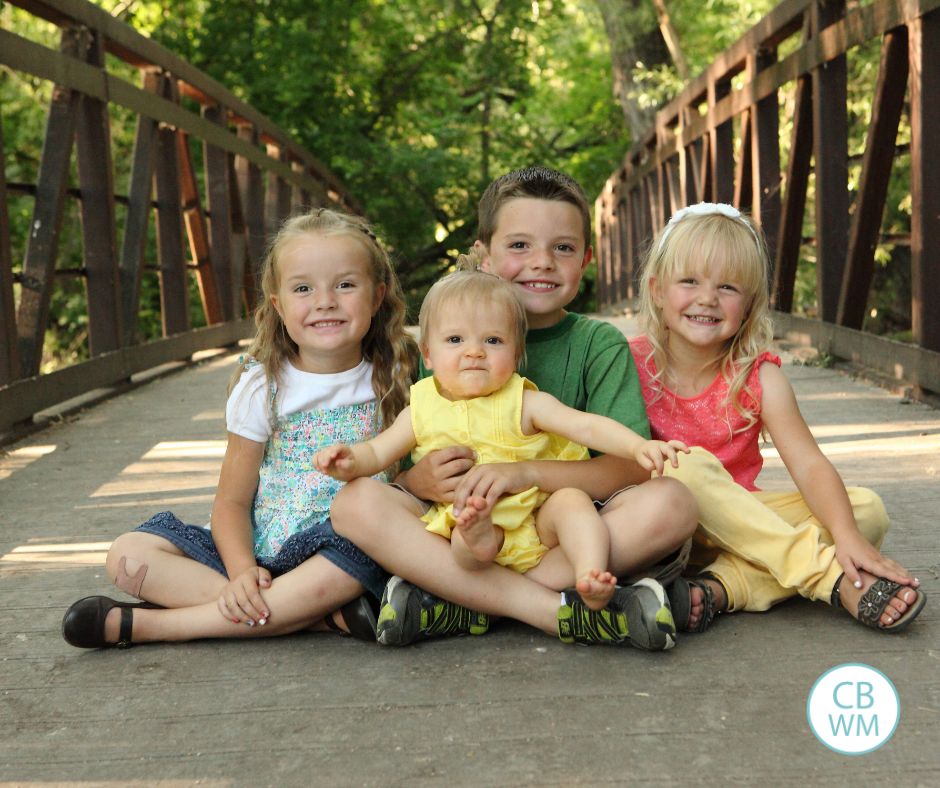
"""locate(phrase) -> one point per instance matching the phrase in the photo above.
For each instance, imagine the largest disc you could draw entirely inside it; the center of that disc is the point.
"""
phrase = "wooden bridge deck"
(514, 707)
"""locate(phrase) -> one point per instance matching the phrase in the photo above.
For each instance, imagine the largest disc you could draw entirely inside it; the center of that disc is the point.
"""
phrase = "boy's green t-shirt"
(586, 364)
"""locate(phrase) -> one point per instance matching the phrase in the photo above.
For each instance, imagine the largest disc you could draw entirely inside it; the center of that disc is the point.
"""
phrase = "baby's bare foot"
(482, 538)
(596, 588)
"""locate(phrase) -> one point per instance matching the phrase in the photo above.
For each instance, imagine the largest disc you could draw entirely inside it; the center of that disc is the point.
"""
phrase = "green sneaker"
(408, 614)
(638, 615)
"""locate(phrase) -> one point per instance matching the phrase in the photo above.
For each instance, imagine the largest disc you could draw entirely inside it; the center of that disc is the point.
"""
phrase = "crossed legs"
(644, 524)
(188, 591)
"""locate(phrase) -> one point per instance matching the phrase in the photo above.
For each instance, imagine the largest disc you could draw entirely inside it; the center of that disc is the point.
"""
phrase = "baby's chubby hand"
(652, 455)
(336, 461)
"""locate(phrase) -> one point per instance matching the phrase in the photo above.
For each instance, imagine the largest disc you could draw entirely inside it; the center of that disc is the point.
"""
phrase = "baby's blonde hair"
(386, 345)
(463, 289)
(734, 249)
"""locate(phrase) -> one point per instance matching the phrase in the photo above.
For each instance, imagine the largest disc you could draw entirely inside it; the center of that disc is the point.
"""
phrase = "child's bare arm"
(541, 411)
(369, 457)
(818, 481)
(241, 599)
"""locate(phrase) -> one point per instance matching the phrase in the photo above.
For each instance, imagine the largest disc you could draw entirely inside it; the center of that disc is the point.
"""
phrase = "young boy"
(534, 232)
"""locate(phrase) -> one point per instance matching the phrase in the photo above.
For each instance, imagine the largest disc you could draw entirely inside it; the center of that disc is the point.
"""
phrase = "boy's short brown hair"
(541, 183)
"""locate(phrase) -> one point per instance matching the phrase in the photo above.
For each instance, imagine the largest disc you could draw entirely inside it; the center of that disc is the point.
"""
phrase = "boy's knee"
(678, 510)
(353, 504)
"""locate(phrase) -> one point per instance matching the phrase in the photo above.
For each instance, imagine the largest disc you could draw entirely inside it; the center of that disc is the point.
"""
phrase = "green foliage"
(416, 105)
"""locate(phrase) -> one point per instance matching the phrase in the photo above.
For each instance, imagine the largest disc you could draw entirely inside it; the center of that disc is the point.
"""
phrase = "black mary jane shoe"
(360, 617)
(83, 622)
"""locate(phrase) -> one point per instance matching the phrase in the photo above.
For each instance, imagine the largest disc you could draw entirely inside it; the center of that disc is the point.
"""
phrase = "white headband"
(703, 209)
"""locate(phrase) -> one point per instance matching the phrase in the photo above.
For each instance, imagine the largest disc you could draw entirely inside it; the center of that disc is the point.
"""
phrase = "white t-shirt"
(247, 412)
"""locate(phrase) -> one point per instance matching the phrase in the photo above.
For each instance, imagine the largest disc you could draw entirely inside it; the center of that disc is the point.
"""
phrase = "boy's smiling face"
(539, 246)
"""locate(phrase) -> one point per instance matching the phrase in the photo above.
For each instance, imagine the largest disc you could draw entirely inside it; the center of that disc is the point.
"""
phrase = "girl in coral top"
(709, 380)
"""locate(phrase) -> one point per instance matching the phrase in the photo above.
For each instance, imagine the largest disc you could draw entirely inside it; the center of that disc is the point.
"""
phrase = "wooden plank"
(743, 184)
(198, 234)
(9, 357)
(43, 240)
(299, 197)
(174, 279)
(652, 221)
(780, 23)
(134, 245)
(277, 195)
(239, 244)
(99, 231)
(898, 361)
(882, 135)
(22, 399)
(766, 162)
(29, 57)
(794, 198)
(862, 24)
(831, 156)
(623, 276)
(640, 238)
(686, 169)
(721, 148)
(129, 45)
(924, 59)
(676, 200)
(218, 192)
(251, 189)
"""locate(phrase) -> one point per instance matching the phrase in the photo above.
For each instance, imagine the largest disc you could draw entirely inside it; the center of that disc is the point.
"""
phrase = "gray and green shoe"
(637, 615)
(408, 614)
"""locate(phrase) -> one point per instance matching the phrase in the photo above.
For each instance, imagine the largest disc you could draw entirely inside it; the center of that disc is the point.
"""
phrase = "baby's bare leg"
(475, 539)
(568, 518)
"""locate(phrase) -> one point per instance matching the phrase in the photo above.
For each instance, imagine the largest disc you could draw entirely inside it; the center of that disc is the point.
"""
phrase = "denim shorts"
(196, 542)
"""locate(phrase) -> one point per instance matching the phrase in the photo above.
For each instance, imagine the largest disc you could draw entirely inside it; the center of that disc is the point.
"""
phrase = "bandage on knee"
(130, 583)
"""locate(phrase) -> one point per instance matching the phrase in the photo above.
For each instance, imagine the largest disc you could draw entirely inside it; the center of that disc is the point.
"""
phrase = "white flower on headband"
(704, 209)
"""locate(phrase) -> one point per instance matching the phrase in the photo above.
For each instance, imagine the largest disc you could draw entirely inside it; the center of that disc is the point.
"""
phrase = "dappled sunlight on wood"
(907, 444)
(895, 427)
(18, 459)
(83, 553)
(841, 396)
(154, 500)
(210, 415)
(170, 466)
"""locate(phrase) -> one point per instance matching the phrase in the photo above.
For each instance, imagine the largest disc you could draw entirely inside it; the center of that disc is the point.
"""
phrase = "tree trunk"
(634, 34)
(671, 37)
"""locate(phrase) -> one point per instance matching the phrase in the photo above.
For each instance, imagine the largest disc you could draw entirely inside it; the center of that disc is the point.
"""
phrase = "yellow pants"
(766, 546)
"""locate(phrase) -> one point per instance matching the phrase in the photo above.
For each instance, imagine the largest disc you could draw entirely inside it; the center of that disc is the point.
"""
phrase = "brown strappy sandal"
(873, 602)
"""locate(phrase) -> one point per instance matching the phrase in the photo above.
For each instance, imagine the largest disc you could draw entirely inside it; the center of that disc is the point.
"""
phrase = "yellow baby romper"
(492, 427)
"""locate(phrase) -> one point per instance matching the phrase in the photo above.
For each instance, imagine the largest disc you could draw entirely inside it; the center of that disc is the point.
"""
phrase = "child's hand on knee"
(652, 455)
(241, 601)
(855, 553)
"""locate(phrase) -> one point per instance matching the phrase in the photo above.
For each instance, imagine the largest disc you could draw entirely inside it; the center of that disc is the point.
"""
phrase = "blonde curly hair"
(386, 345)
(733, 248)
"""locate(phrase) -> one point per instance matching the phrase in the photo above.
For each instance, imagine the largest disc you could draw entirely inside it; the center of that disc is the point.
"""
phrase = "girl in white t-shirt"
(330, 362)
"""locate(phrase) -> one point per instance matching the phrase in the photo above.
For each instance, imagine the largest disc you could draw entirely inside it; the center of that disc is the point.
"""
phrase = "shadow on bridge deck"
(728, 707)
